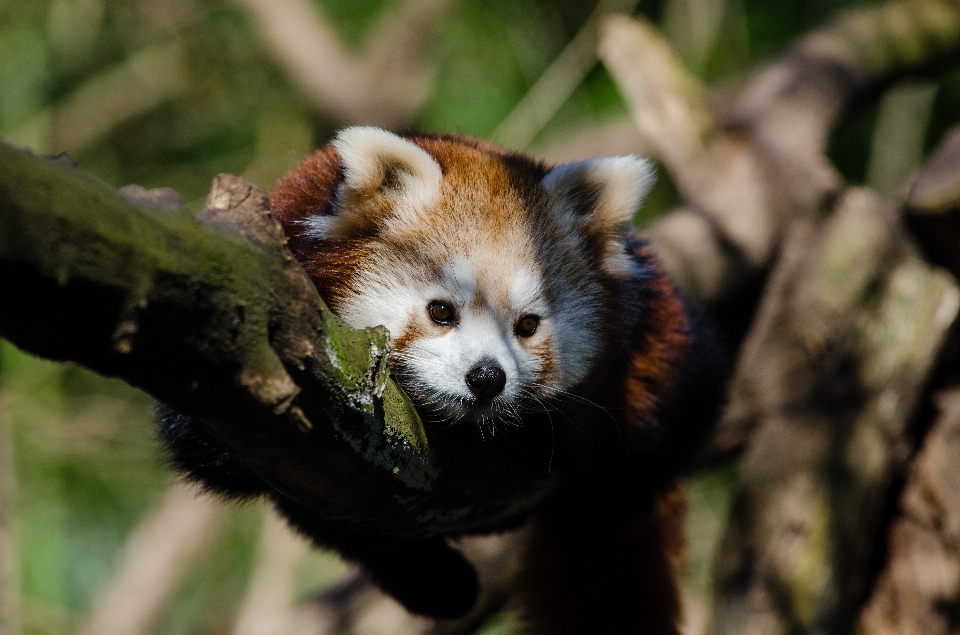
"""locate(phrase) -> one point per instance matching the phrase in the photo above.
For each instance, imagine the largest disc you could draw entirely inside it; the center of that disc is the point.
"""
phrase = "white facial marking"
(459, 281)
(492, 275)
(526, 290)
(396, 295)
(478, 335)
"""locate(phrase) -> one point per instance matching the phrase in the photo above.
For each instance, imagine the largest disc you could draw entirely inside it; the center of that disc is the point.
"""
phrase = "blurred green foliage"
(85, 465)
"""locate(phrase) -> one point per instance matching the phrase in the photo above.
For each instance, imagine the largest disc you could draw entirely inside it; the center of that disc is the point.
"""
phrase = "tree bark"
(933, 204)
(918, 591)
(214, 317)
(848, 334)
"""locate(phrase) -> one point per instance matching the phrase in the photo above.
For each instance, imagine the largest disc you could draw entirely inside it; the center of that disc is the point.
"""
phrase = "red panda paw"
(427, 576)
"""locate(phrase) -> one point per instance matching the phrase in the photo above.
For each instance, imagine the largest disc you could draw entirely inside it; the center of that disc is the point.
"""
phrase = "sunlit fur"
(496, 236)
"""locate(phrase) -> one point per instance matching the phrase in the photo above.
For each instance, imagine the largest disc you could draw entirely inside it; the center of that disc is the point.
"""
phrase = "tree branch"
(270, 590)
(794, 103)
(666, 102)
(168, 302)
(356, 606)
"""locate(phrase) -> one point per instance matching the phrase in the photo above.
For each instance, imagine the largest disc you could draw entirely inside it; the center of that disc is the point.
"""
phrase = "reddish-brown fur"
(620, 579)
(468, 165)
(653, 371)
(616, 582)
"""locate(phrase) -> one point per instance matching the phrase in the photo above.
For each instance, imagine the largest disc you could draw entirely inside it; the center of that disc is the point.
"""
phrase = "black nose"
(486, 379)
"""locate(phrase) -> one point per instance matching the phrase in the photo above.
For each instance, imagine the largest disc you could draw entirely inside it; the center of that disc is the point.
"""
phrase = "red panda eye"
(527, 325)
(442, 313)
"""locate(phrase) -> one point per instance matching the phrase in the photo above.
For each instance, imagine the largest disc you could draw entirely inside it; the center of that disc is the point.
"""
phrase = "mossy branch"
(214, 316)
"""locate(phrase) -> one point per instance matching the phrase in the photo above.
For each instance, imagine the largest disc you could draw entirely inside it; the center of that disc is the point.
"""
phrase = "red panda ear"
(599, 197)
(603, 193)
(387, 181)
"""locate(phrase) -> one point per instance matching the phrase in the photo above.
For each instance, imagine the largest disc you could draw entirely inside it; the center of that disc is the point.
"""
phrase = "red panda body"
(387, 225)
(521, 309)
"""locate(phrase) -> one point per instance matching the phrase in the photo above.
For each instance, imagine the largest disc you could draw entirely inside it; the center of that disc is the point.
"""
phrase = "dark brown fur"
(655, 369)
(620, 581)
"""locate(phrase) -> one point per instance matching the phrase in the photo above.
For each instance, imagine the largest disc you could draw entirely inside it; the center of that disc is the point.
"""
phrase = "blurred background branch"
(558, 81)
(270, 593)
(170, 540)
(108, 100)
(392, 64)
(11, 621)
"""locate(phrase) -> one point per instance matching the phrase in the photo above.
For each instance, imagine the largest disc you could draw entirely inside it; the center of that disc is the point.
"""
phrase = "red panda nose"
(486, 379)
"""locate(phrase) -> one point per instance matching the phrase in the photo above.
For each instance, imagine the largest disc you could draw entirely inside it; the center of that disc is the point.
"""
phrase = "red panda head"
(491, 271)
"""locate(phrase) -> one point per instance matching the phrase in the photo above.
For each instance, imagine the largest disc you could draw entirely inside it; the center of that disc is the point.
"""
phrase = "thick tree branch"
(216, 318)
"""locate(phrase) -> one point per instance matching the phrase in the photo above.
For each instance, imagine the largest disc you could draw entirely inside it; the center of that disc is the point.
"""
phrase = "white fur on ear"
(388, 182)
(373, 157)
(605, 192)
(598, 198)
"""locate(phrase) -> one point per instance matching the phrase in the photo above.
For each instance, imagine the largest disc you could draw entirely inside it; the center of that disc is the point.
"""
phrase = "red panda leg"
(619, 582)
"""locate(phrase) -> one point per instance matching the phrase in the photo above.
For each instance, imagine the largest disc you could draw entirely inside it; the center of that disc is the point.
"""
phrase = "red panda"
(519, 304)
